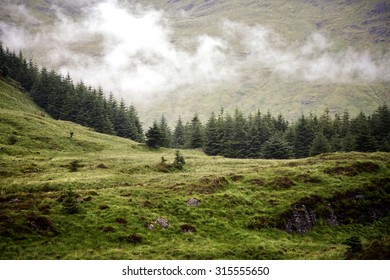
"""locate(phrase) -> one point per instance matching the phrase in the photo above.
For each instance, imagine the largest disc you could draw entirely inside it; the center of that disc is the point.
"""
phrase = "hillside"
(285, 56)
(93, 196)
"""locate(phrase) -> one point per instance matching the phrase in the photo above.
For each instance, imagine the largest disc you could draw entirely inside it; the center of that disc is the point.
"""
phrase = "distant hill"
(288, 57)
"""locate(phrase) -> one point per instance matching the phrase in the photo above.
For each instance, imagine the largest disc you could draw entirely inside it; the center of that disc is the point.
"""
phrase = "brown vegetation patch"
(45, 209)
(257, 182)
(41, 224)
(102, 166)
(104, 207)
(354, 169)
(282, 183)
(209, 184)
(133, 238)
(307, 179)
(236, 178)
(187, 228)
(121, 221)
(32, 168)
(108, 229)
(147, 203)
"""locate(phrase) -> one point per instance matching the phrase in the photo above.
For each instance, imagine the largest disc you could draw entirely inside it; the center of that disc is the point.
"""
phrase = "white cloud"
(138, 60)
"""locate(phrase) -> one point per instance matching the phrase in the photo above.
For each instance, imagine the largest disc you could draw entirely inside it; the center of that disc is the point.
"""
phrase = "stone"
(162, 222)
(193, 202)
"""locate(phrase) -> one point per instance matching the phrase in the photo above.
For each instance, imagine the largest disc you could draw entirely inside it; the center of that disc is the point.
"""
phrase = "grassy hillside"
(93, 196)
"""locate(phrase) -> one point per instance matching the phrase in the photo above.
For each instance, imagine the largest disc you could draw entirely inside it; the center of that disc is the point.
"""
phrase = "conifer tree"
(166, 134)
(196, 135)
(277, 148)
(303, 136)
(178, 138)
(319, 145)
(212, 145)
(154, 136)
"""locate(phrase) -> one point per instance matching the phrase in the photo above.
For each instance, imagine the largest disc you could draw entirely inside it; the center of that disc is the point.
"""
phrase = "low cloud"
(130, 50)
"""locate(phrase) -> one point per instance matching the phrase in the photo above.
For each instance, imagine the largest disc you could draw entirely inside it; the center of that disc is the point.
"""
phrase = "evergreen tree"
(136, 125)
(166, 134)
(303, 136)
(196, 135)
(320, 145)
(364, 141)
(212, 145)
(154, 136)
(259, 132)
(277, 148)
(178, 138)
(179, 161)
(239, 145)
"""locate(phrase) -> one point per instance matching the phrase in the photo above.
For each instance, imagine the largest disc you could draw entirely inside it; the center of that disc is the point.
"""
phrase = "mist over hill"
(180, 57)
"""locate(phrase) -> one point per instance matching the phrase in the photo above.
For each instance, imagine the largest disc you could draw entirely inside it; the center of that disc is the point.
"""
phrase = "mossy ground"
(121, 192)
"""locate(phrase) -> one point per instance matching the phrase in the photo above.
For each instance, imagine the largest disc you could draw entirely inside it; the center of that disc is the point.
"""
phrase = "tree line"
(233, 135)
(63, 99)
(265, 136)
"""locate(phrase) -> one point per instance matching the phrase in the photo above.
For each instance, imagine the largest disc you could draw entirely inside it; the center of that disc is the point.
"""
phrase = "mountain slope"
(94, 196)
(288, 57)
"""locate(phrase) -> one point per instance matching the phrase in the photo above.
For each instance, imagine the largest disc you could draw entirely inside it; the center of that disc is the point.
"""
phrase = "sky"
(136, 58)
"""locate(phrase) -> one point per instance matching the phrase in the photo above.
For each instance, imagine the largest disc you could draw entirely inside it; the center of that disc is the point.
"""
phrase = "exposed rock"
(301, 221)
(162, 222)
(193, 202)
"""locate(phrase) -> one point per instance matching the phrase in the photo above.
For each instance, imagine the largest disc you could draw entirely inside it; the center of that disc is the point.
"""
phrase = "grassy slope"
(125, 176)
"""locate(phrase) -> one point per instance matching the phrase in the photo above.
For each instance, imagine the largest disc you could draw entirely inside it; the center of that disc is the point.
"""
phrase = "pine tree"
(166, 134)
(154, 136)
(178, 138)
(277, 148)
(179, 161)
(303, 136)
(212, 145)
(196, 135)
(364, 141)
(319, 145)
(136, 125)
(259, 132)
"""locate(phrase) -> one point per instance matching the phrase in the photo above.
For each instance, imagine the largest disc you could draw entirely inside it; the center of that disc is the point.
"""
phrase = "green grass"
(119, 180)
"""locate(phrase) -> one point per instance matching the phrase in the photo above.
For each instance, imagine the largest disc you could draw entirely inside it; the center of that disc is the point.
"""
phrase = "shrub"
(70, 204)
(74, 165)
(179, 161)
